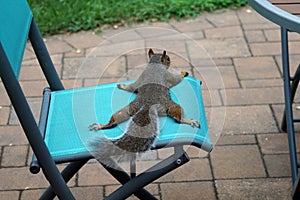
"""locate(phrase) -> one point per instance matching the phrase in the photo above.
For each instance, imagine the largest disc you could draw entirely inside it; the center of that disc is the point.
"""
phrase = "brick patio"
(237, 55)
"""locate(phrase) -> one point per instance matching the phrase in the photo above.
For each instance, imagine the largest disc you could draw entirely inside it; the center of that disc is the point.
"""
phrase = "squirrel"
(153, 100)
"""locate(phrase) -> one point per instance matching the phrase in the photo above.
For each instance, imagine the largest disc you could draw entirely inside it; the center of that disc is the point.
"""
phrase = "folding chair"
(54, 142)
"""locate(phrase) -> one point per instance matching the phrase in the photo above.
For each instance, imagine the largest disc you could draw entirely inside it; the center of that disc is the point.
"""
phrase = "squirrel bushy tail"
(138, 137)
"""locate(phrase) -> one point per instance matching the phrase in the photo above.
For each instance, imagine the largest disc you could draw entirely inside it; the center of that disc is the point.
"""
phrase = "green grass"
(55, 16)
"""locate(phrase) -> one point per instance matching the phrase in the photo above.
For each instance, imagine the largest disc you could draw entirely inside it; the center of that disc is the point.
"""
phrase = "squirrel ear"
(163, 56)
(150, 53)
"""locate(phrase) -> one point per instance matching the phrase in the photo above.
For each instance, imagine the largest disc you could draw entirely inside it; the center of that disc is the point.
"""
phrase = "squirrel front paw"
(184, 74)
(95, 127)
(121, 86)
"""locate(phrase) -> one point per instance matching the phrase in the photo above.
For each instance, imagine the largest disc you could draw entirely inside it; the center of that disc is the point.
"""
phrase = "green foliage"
(73, 15)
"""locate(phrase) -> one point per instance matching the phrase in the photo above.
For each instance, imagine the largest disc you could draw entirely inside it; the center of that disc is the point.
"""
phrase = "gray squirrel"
(153, 100)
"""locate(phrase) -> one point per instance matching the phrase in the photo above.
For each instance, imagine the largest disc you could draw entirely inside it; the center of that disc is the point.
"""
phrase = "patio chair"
(54, 142)
(286, 15)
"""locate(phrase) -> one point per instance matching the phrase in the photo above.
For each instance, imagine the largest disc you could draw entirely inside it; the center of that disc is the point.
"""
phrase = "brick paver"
(236, 53)
(14, 156)
(188, 190)
(266, 188)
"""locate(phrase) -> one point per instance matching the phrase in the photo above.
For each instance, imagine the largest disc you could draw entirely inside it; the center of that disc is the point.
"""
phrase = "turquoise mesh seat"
(72, 111)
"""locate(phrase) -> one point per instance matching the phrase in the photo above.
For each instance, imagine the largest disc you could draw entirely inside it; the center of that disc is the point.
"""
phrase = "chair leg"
(288, 108)
(149, 176)
(120, 175)
(68, 172)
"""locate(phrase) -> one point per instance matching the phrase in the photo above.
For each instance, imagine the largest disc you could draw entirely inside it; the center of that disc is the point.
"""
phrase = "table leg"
(288, 104)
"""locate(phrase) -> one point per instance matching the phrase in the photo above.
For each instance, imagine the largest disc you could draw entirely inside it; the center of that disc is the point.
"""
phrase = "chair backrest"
(16, 26)
(15, 21)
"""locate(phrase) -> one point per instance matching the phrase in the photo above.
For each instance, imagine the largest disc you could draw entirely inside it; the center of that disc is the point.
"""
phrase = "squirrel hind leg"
(193, 123)
(118, 117)
(96, 127)
(176, 112)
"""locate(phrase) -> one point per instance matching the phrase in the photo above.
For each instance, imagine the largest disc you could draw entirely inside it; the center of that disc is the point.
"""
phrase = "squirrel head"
(159, 58)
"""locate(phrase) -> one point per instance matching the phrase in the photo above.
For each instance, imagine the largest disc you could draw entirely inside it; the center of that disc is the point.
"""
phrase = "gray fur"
(153, 100)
